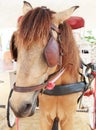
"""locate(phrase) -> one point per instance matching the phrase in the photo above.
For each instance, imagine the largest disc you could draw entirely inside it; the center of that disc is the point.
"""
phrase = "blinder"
(51, 51)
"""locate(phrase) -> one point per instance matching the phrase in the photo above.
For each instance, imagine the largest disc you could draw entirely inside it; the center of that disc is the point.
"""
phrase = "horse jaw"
(63, 15)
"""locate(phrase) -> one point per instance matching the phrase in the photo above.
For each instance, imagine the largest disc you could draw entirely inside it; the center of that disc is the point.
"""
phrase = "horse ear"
(13, 48)
(26, 7)
(62, 16)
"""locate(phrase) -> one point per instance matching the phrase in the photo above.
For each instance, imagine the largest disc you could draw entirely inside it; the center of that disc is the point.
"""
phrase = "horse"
(48, 63)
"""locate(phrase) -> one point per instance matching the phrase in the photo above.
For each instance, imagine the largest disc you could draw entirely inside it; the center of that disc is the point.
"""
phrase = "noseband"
(52, 57)
(43, 86)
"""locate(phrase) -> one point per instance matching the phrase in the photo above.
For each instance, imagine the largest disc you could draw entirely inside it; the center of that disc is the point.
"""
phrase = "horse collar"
(66, 89)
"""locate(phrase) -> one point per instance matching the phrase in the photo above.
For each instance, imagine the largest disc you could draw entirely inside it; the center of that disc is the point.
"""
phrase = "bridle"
(56, 91)
(52, 50)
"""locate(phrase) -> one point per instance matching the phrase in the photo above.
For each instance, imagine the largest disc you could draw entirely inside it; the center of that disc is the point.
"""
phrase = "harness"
(53, 53)
(65, 89)
(55, 49)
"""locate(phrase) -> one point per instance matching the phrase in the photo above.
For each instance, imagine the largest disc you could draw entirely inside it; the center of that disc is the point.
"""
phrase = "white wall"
(10, 10)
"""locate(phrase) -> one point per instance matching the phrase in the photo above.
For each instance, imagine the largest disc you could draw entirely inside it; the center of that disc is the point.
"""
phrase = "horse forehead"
(33, 48)
(31, 57)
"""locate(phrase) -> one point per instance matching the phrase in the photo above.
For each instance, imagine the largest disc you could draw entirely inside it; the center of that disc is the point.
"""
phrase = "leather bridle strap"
(29, 88)
(52, 78)
(55, 28)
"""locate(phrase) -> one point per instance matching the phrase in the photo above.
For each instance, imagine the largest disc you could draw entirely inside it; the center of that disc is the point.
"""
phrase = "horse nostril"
(26, 107)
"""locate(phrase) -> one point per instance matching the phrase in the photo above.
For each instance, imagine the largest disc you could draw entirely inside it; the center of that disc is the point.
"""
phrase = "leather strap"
(52, 78)
(28, 89)
(66, 89)
(55, 28)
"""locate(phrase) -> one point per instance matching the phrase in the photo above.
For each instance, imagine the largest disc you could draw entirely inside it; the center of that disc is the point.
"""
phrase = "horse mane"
(71, 57)
(35, 25)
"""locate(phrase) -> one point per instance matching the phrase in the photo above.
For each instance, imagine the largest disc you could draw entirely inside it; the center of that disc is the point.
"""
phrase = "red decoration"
(89, 92)
(76, 22)
(50, 85)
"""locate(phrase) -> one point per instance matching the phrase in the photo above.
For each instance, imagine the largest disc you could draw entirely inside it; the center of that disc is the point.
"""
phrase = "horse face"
(32, 68)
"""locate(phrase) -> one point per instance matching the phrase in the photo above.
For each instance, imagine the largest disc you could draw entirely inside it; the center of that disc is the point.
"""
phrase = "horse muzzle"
(25, 108)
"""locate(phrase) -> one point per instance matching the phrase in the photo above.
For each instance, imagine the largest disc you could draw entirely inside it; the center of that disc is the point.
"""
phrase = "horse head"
(42, 45)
